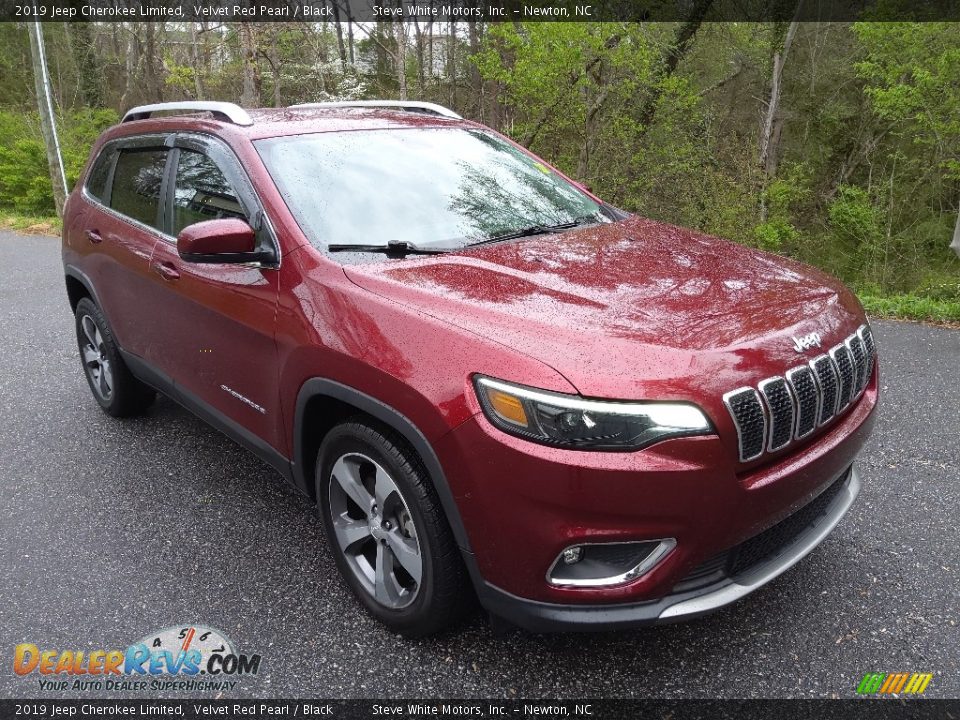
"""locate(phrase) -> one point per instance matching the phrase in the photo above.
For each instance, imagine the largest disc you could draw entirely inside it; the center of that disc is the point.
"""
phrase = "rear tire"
(387, 531)
(113, 386)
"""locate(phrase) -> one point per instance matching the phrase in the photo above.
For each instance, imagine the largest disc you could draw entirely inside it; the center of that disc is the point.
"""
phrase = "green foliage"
(24, 175)
(778, 232)
(854, 217)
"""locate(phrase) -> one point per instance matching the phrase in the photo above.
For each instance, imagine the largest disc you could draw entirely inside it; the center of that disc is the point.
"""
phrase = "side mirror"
(228, 240)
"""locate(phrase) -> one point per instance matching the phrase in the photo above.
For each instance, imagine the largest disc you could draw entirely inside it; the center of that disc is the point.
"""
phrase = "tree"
(773, 122)
(250, 95)
(911, 72)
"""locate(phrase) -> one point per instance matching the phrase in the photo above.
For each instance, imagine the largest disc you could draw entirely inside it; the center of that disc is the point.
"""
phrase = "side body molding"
(388, 416)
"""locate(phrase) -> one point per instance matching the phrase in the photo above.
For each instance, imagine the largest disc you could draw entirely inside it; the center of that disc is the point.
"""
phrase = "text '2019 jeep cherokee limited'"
(490, 381)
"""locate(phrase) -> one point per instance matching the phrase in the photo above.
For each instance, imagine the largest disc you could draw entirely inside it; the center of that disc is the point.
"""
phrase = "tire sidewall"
(344, 440)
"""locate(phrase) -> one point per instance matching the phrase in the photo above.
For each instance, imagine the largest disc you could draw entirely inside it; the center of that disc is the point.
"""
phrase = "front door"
(215, 322)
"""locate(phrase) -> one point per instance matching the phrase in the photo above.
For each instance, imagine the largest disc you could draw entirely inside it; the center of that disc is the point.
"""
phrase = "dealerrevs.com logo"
(189, 658)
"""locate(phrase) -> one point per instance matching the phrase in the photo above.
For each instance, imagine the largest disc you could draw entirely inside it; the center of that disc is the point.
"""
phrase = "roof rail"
(417, 106)
(220, 110)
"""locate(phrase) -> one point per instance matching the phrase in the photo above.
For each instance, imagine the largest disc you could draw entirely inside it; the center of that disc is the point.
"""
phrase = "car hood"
(633, 309)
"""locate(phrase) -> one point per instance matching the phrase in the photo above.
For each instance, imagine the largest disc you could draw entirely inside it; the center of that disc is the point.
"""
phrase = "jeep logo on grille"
(806, 342)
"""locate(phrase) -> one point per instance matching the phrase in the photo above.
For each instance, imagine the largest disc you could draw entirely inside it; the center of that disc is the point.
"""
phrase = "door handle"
(167, 271)
(94, 236)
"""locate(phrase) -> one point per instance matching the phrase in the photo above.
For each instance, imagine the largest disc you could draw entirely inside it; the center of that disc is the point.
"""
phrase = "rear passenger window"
(202, 192)
(99, 174)
(136, 185)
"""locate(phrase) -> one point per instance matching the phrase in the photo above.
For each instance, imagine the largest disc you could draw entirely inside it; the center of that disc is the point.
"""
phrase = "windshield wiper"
(392, 247)
(536, 230)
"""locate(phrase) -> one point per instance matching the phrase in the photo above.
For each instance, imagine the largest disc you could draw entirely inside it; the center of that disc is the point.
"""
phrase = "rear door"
(121, 223)
(214, 323)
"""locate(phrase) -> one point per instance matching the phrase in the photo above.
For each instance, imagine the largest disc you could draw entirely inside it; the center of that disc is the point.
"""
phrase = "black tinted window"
(97, 181)
(136, 184)
(202, 192)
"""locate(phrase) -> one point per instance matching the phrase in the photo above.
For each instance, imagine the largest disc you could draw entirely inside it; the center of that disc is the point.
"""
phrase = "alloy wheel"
(375, 530)
(96, 362)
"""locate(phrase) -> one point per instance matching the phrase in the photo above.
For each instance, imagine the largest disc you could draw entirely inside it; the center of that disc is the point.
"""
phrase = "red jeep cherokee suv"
(487, 378)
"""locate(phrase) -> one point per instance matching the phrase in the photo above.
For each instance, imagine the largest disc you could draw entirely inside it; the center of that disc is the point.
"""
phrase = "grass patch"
(30, 224)
(913, 307)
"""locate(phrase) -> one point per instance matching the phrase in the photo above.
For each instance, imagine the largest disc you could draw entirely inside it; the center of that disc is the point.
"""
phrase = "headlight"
(571, 421)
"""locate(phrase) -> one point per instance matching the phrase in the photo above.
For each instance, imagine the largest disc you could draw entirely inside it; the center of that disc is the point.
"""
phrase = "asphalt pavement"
(111, 529)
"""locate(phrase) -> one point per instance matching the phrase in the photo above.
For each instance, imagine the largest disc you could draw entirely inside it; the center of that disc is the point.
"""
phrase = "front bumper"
(718, 582)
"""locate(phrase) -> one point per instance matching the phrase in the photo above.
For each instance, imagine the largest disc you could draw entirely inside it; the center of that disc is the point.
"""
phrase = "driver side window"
(202, 192)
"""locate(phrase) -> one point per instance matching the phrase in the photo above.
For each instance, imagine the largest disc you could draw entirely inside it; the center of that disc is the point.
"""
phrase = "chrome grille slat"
(790, 408)
(750, 420)
(828, 385)
(807, 398)
(843, 364)
(782, 409)
(866, 337)
(855, 346)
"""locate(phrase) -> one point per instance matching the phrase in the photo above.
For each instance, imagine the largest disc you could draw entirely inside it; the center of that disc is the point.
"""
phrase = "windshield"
(443, 187)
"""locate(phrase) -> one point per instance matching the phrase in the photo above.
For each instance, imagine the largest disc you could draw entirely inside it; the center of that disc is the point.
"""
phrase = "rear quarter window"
(100, 175)
(137, 181)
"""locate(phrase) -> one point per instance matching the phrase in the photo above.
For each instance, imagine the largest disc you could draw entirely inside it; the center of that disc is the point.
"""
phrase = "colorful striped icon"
(894, 683)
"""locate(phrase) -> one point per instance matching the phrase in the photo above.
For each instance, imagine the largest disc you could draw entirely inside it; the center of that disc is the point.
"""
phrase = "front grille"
(790, 408)
(764, 546)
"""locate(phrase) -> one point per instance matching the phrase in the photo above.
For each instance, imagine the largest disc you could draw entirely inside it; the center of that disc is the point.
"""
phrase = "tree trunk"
(420, 49)
(773, 123)
(594, 96)
(340, 44)
(956, 235)
(768, 140)
(152, 63)
(476, 82)
(275, 67)
(675, 53)
(85, 58)
(350, 33)
(250, 94)
(48, 124)
(452, 62)
(400, 35)
(195, 59)
(132, 61)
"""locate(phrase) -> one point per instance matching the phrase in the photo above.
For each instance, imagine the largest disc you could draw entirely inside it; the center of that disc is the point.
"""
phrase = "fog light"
(604, 564)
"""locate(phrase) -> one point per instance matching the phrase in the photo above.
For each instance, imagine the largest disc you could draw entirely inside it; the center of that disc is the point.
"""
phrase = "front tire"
(387, 531)
(113, 386)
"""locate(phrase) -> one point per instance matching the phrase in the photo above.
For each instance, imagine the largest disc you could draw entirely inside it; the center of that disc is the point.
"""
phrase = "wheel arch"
(323, 403)
(79, 287)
